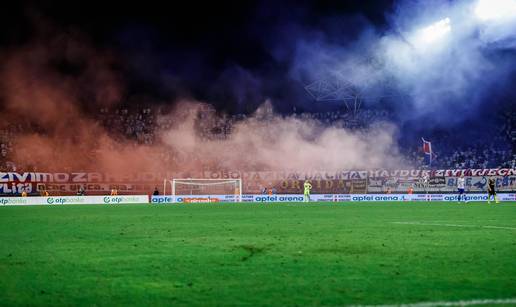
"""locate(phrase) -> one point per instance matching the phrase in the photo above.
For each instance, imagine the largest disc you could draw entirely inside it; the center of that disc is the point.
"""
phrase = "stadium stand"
(142, 125)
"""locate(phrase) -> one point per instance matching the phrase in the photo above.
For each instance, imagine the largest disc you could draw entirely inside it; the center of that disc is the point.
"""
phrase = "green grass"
(256, 254)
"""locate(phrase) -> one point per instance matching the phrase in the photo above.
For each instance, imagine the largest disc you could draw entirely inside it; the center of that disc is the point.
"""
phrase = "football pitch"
(258, 254)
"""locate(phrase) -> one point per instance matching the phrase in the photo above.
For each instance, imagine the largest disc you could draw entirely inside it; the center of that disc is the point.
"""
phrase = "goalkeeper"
(307, 186)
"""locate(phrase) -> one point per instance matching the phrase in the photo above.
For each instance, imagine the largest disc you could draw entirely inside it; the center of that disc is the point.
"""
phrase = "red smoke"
(54, 89)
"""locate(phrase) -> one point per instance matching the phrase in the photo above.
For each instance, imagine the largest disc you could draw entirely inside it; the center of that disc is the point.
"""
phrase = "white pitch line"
(454, 225)
(457, 303)
(499, 227)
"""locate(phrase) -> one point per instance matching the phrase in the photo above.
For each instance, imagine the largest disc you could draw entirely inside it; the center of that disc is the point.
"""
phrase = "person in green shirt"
(307, 186)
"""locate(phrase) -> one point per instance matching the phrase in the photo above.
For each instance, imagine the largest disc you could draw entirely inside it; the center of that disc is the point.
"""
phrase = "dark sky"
(196, 48)
(182, 22)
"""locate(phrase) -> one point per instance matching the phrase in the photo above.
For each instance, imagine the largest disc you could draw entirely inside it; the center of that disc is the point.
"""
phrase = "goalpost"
(192, 187)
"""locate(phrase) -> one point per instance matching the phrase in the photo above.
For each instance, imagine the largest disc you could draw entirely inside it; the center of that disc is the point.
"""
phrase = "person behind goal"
(424, 182)
(307, 186)
(461, 182)
(491, 184)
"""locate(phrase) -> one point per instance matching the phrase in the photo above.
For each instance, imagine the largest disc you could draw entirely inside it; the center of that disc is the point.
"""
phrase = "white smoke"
(443, 56)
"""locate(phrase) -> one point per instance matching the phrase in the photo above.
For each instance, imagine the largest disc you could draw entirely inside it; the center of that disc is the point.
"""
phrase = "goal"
(204, 188)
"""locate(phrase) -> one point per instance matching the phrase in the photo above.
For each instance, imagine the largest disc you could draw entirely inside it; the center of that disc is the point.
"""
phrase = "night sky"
(198, 48)
(182, 24)
(233, 54)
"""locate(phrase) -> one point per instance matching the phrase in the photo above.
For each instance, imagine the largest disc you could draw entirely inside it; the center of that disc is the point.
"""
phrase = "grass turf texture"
(256, 254)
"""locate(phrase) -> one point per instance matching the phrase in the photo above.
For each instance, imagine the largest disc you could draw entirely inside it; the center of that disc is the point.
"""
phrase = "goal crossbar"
(211, 183)
(233, 186)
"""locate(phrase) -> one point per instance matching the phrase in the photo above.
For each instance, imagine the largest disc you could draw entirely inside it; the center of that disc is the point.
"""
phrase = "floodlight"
(432, 33)
(495, 9)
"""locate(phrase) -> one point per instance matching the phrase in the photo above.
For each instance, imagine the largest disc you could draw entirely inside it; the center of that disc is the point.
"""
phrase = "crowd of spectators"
(346, 119)
(6, 147)
(493, 148)
(136, 124)
(482, 155)
(143, 126)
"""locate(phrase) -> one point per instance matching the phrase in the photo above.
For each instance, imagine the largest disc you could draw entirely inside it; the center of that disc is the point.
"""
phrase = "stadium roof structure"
(336, 90)
(352, 95)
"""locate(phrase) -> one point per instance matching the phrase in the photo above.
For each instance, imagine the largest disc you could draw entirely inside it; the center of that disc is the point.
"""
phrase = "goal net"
(204, 188)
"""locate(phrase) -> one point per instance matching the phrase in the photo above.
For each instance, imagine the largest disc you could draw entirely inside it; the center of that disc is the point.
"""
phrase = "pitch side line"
(457, 303)
(454, 225)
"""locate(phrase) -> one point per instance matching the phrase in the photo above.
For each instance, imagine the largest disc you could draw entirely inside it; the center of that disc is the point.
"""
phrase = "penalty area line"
(454, 225)
(444, 303)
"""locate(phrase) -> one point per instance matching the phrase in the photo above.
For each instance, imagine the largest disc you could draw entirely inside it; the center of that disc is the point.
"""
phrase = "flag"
(427, 150)
(427, 147)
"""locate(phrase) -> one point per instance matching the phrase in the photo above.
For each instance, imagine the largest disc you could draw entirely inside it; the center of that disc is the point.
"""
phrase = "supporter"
(143, 125)
(81, 191)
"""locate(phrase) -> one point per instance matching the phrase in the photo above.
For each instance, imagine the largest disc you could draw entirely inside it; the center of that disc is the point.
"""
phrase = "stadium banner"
(437, 181)
(438, 184)
(260, 198)
(294, 186)
(75, 200)
(430, 197)
(380, 197)
(286, 175)
(443, 172)
(357, 174)
(282, 198)
(254, 182)
(167, 199)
